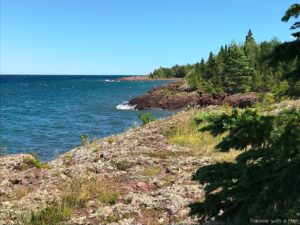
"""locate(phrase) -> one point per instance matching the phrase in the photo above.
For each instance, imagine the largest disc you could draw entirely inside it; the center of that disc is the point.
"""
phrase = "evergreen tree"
(293, 11)
(250, 48)
(238, 71)
(211, 67)
(195, 78)
(248, 67)
(264, 181)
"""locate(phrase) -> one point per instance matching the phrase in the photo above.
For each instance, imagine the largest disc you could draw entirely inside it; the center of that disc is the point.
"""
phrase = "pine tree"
(250, 48)
(238, 71)
(293, 11)
(264, 181)
(211, 67)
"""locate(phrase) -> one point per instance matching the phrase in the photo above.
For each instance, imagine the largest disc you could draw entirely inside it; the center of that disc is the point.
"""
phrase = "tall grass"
(186, 133)
(74, 197)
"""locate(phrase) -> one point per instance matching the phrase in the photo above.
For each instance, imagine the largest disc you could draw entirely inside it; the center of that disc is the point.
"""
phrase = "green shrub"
(263, 183)
(146, 118)
(282, 89)
(296, 89)
(84, 138)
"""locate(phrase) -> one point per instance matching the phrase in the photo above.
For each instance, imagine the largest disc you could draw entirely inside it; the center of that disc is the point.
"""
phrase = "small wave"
(107, 80)
(125, 106)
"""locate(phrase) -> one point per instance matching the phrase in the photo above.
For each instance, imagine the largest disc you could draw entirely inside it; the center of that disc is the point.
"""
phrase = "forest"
(269, 66)
(262, 184)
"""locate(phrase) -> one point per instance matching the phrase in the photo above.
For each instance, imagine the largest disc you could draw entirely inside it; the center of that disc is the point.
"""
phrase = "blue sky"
(127, 36)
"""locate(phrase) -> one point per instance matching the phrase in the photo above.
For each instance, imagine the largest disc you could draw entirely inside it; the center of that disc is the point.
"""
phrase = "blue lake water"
(47, 114)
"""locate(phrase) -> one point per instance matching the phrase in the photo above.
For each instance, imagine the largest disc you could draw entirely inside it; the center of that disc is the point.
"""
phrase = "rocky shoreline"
(143, 179)
(146, 78)
(142, 176)
(178, 95)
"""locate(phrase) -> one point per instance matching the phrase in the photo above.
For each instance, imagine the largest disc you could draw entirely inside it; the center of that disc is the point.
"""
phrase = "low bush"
(146, 118)
(33, 161)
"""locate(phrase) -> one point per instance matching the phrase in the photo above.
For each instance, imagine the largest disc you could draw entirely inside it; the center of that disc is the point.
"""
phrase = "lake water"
(47, 114)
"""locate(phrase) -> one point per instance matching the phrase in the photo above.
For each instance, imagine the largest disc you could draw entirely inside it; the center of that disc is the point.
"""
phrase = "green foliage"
(53, 214)
(84, 138)
(296, 88)
(293, 11)
(112, 218)
(260, 67)
(151, 171)
(74, 197)
(146, 118)
(110, 198)
(33, 161)
(239, 71)
(123, 165)
(264, 181)
(175, 71)
(244, 129)
(236, 68)
(265, 102)
(281, 89)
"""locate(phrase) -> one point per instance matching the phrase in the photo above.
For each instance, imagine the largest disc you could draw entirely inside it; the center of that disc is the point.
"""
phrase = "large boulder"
(242, 100)
(186, 88)
(205, 99)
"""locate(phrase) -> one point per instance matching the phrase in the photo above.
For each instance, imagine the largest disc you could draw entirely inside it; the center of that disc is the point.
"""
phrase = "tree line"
(269, 66)
(262, 185)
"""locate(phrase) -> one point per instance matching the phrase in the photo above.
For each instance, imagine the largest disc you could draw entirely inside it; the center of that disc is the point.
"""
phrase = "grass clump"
(82, 190)
(33, 161)
(75, 196)
(123, 165)
(67, 159)
(112, 218)
(146, 118)
(169, 179)
(97, 149)
(85, 140)
(163, 154)
(108, 192)
(52, 214)
(151, 171)
(19, 193)
(111, 140)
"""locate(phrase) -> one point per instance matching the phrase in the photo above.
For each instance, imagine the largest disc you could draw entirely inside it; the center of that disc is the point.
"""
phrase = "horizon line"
(36, 74)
